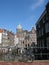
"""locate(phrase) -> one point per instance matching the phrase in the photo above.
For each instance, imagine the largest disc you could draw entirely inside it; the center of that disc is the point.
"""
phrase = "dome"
(19, 27)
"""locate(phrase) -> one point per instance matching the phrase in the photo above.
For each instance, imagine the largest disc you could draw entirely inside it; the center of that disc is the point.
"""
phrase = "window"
(46, 16)
(40, 43)
(28, 45)
(47, 27)
(48, 43)
(42, 31)
(23, 42)
(44, 19)
(43, 43)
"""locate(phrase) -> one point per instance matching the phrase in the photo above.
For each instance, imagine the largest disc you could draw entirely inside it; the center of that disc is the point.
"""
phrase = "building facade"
(6, 40)
(42, 27)
(24, 38)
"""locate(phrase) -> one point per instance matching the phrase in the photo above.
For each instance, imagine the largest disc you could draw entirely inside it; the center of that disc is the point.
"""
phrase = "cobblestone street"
(22, 63)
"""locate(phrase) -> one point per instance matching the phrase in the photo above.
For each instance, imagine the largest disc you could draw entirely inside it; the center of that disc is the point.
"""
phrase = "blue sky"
(24, 12)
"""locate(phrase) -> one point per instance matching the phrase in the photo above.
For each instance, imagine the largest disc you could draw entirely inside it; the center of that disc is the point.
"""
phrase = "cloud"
(37, 4)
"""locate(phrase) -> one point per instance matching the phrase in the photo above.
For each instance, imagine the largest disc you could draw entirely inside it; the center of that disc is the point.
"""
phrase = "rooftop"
(1, 30)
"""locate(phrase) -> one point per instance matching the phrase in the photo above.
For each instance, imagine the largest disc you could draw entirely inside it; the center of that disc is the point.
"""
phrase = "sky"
(24, 12)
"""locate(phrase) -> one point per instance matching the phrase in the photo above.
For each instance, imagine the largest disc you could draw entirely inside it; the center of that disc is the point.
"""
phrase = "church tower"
(19, 29)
